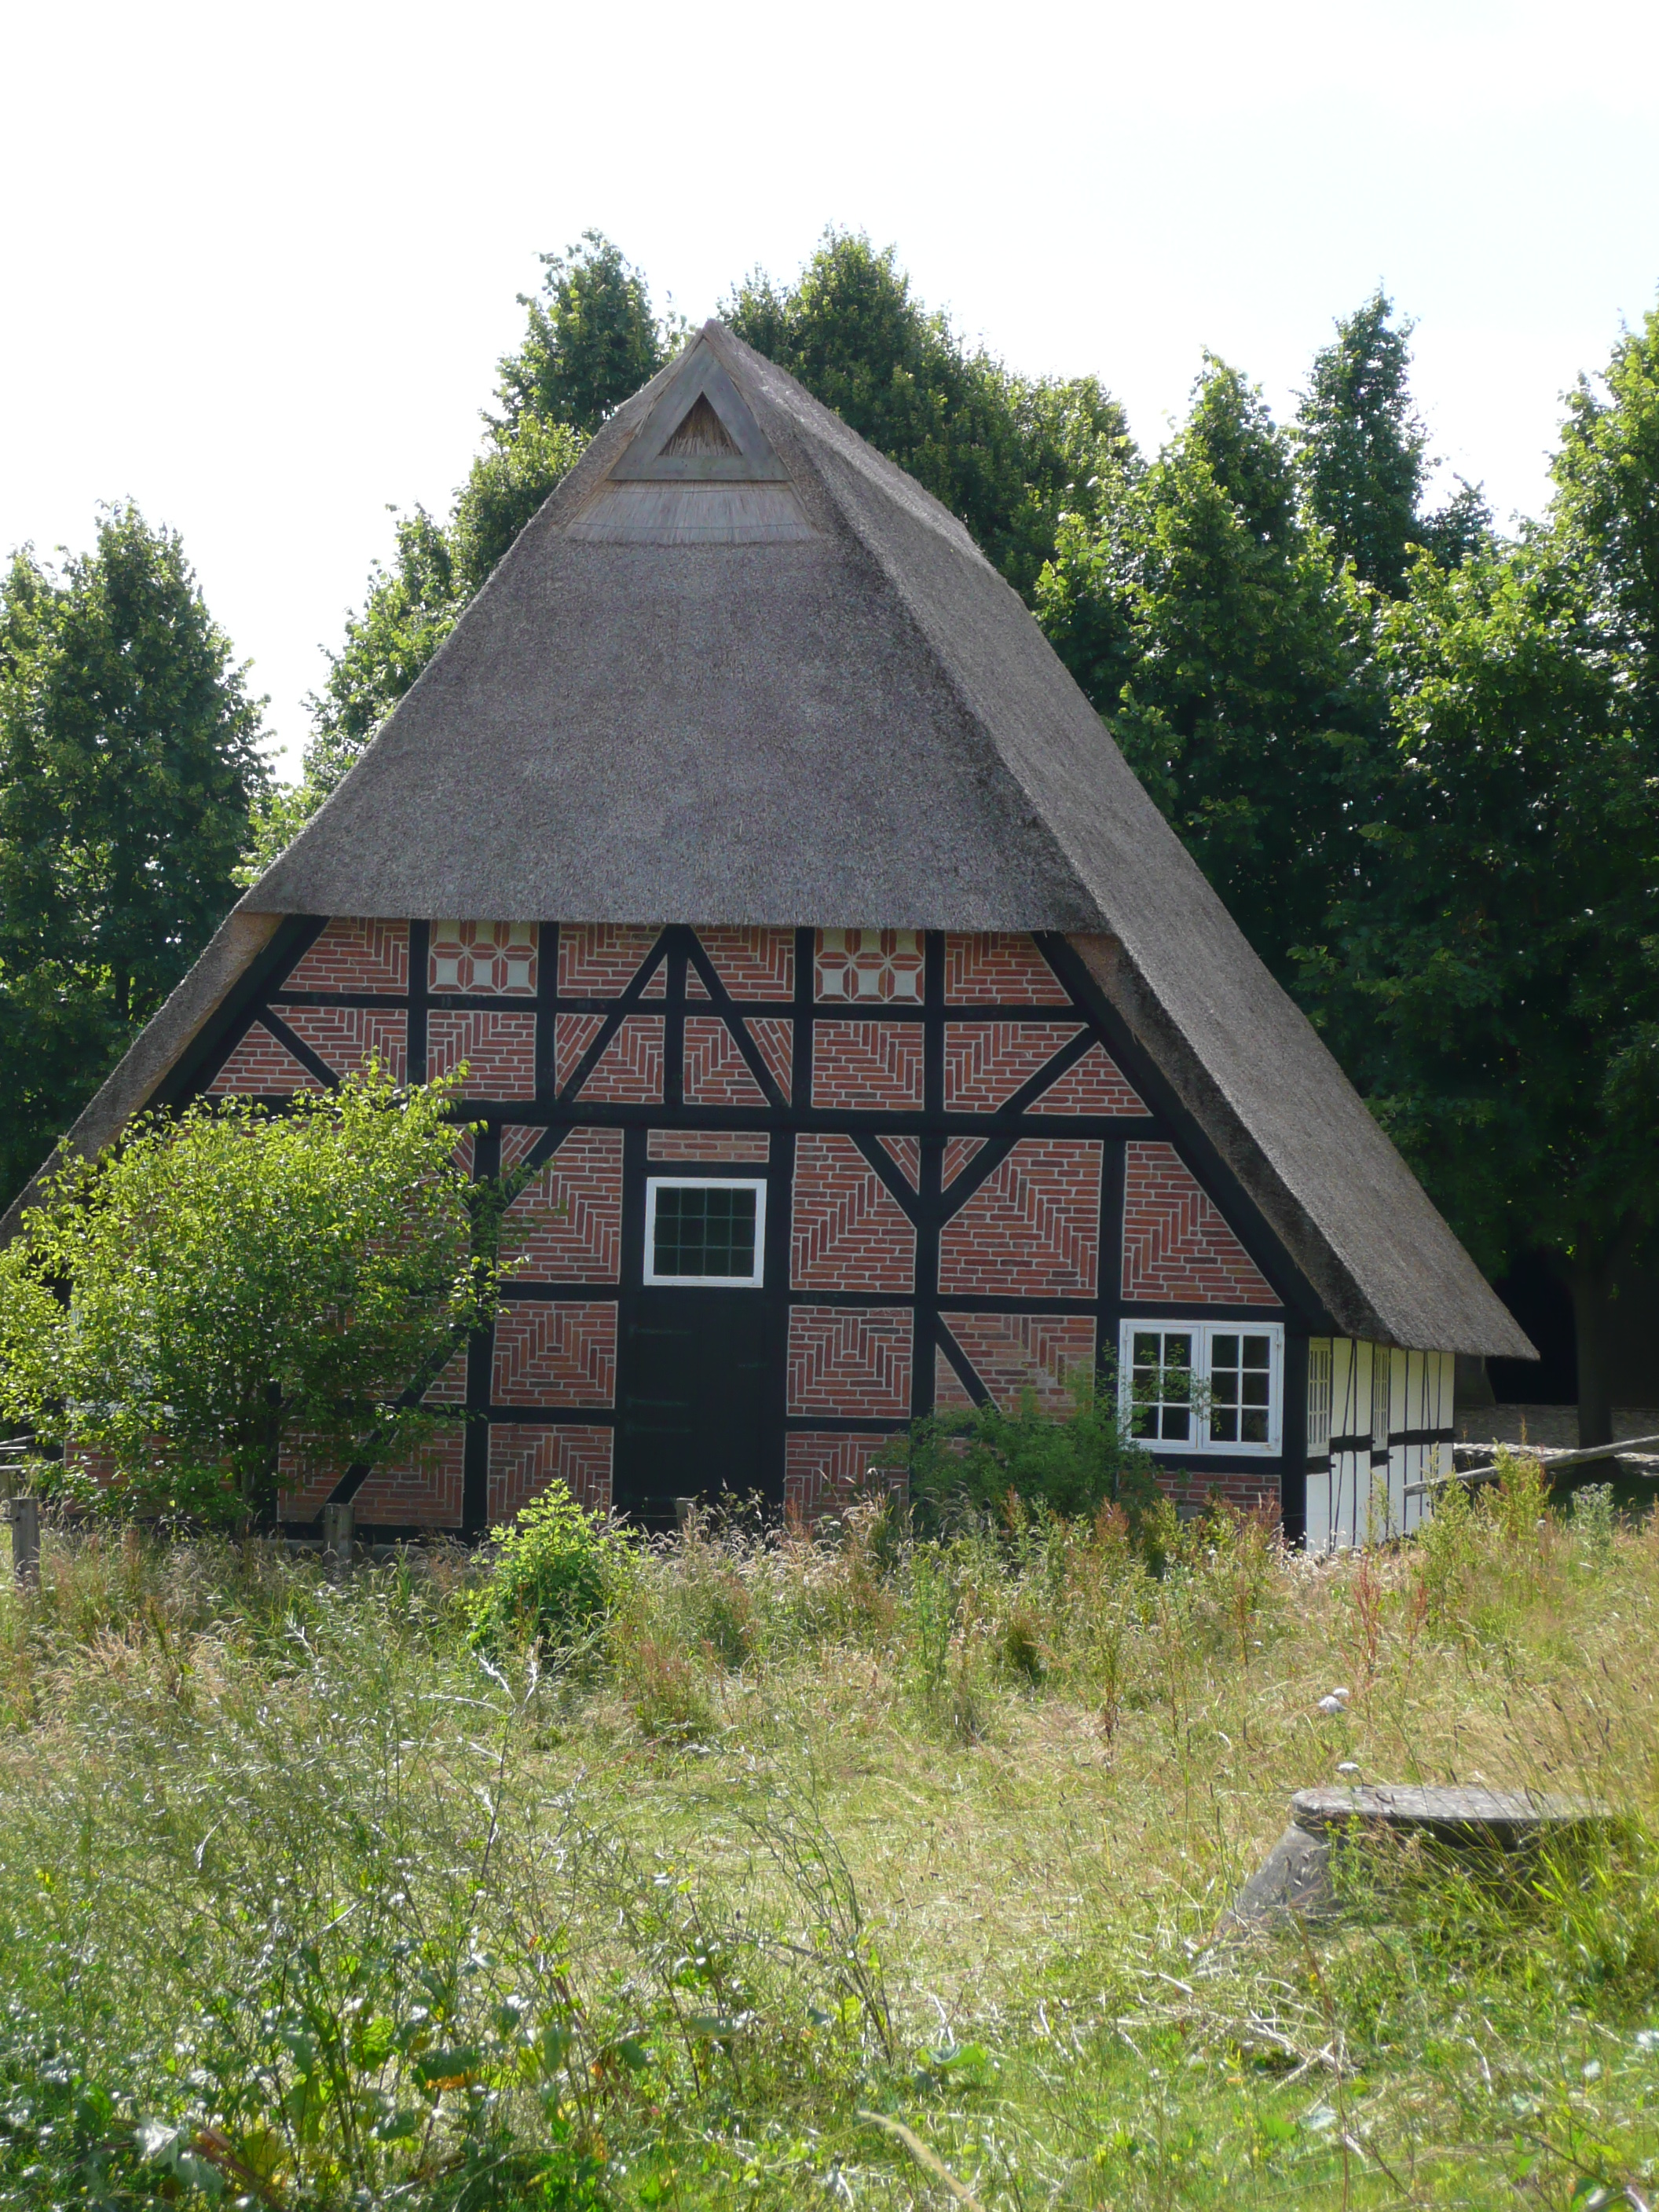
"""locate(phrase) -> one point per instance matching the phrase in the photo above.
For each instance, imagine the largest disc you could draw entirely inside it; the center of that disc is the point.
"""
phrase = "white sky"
(259, 262)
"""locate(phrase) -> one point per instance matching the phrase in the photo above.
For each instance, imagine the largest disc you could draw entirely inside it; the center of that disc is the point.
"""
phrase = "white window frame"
(1203, 1334)
(757, 1183)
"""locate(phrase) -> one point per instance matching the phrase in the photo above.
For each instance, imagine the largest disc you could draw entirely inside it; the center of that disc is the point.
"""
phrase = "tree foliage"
(976, 1460)
(233, 1283)
(1006, 453)
(593, 339)
(129, 764)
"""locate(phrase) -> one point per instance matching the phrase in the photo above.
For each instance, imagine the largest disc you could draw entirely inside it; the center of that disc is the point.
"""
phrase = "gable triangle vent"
(700, 432)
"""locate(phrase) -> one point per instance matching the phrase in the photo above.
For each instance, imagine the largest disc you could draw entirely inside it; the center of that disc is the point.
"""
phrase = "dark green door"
(692, 1399)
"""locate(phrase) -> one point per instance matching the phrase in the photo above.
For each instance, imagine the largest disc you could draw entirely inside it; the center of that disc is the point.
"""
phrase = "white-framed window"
(1203, 1385)
(708, 1231)
(1320, 1364)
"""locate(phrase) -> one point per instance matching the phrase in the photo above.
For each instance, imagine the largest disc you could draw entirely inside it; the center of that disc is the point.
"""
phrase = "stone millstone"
(1452, 1814)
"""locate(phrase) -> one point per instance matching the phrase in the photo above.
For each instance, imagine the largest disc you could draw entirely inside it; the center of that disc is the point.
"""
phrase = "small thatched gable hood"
(740, 668)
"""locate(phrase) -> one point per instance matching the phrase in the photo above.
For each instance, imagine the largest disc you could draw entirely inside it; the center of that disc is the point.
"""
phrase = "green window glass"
(704, 1230)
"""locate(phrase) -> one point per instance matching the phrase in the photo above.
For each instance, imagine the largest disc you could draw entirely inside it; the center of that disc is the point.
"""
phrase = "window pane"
(1177, 1423)
(1224, 1424)
(704, 1230)
(1254, 1428)
(1225, 1353)
(1256, 1351)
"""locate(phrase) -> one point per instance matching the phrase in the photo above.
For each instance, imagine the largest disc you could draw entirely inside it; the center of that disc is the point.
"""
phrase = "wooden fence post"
(24, 1514)
(338, 1527)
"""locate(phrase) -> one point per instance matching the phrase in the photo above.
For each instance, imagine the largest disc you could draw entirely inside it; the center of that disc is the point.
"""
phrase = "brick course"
(715, 1072)
(1032, 1228)
(629, 1068)
(1095, 1085)
(1176, 1247)
(848, 1232)
(905, 1153)
(859, 1065)
(822, 1473)
(985, 1063)
(261, 1068)
(1012, 1353)
(524, 1460)
(555, 1353)
(747, 1146)
(600, 959)
(566, 1225)
(346, 1037)
(752, 964)
(958, 1152)
(993, 969)
(499, 1049)
(571, 1035)
(850, 1361)
(355, 955)
(774, 1038)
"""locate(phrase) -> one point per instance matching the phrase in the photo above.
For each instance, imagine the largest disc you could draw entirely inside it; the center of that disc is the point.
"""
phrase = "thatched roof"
(740, 668)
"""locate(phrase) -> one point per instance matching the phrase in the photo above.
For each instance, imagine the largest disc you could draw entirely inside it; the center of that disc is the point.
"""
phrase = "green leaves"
(239, 1284)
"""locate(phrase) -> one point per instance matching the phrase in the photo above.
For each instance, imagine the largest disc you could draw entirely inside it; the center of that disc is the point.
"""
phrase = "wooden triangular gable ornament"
(700, 431)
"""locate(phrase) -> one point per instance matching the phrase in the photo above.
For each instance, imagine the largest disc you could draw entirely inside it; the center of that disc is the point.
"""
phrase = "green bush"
(983, 1461)
(557, 1573)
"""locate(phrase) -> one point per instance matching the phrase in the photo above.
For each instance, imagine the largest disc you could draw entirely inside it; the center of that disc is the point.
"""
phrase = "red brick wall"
(752, 964)
(868, 1064)
(424, 1490)
(958, 1152)
(1250, 1493)
(345, 1037)
(1014, 1353)
(774, 1038)
(1095, 1085)
(566, 1225)
(735, 1147)
(993, 970)
(848, 1232)
(555, 1353)
(824, 1472)
(905, 1153)
(1032, 1228)
(850, 1360)
(499, 1049)
(985, 1063)
(631, 1066)
(598, 960)
(518, 1140)
(525, 1457)
(571, 1035)
(261, 1068)
(355, 955)
(1176, 1245)
(716, 1073)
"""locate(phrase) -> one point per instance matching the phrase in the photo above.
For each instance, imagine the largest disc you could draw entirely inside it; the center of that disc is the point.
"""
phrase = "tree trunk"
(1589, 1277)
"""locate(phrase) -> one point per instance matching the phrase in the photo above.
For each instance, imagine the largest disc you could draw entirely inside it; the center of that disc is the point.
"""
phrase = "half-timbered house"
(868, 1041)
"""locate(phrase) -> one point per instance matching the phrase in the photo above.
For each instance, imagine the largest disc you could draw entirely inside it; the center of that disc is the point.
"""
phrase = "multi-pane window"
(1382, 1377)
(709, 1232)
(1202, 1385)
(1319, 1396)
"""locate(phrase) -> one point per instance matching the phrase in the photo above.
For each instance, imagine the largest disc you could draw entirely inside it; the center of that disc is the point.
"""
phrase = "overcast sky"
(259, 262)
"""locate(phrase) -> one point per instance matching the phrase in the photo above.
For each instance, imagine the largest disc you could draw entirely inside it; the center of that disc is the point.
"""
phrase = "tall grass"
(307, 1900)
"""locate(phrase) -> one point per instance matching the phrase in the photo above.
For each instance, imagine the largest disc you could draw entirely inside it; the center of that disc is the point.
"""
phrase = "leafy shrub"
(557, 1573)
(986, 1462)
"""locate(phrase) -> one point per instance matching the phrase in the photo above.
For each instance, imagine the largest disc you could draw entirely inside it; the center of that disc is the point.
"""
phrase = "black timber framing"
(676, 955)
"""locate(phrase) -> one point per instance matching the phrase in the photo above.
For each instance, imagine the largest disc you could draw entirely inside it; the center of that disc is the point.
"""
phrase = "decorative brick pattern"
(905, 1153)
(565, 1226)
(629, 1068)
(985, 1063)
(775, 1040)
(885, 964)
(950, 1392)
(497, 957)
(423, 1491)
(849, 1233)
(518, 1140)
(524, 1460)
(861, 1064)
(1248, 1493)
(716, 1073)
(991, 968)
(261, 1068)
(826, 1473)
(751, 963)
(849, 1361)
(600, 959)
(1032, 1228)
(555, 1353)
(657, 984)
(346, 1038)
(735, 1145)
(571, 1035)
(355, 955)
(1176, 1247)
(1093, 1086)
(448, 1387)
(466, 1154)
(499, 1049)
(1012, 1353)
(958, 1151)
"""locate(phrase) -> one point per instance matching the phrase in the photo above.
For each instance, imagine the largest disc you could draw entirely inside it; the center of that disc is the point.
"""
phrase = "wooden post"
(338, 1536)
(24, 1514)
(684, 1512)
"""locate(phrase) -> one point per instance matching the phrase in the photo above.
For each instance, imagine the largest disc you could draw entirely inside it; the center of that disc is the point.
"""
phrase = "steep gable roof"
(741, 668)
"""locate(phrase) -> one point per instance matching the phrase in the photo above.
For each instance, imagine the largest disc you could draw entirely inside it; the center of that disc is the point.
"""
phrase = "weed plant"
(769, 1867)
